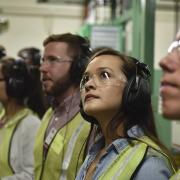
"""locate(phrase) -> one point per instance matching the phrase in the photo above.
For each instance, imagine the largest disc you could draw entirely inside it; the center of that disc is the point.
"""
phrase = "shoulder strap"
(126, 163)
(157, 151)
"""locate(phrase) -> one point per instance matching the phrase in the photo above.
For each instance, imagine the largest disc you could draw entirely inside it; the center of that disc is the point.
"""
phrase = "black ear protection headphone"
(137, 91)
(36, 57)
(80, 62)
(31, 53)
(18, 80)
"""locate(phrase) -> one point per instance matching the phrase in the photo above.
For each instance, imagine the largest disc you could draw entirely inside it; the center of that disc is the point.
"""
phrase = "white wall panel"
(30, 23)
(164, 34)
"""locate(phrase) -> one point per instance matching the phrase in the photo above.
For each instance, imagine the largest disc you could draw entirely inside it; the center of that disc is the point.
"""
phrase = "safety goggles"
(53, 60)
(174, 45)
(101, 79)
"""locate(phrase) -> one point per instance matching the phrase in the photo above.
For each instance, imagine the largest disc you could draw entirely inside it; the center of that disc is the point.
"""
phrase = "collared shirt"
(63, 113)
(152, 168)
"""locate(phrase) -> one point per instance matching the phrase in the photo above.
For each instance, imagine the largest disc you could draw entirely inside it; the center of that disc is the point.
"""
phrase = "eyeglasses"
(101, 79)
(174, 45)
(2, 79)
(53, 60)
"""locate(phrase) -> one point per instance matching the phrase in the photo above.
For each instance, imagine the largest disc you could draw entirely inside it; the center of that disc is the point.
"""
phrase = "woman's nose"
(91, 84)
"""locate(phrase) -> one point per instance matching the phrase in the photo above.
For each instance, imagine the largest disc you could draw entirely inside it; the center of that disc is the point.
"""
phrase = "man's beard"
(59, 87)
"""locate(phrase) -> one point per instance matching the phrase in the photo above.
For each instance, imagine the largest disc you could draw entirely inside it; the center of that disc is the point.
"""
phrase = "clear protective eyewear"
(174, 45)
(101, 79)
(53, 60)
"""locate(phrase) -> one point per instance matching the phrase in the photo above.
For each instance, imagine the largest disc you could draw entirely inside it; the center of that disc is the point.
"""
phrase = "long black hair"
(21, 85)
(17, 78)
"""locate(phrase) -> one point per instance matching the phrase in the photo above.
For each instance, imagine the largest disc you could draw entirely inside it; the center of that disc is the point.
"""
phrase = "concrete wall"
(30, 23)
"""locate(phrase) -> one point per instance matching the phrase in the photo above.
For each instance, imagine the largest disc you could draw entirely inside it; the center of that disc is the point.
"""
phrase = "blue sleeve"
(153, 168)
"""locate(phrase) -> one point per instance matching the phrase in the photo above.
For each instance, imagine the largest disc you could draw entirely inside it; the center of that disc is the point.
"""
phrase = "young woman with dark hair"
(18, 124)
(116, 97)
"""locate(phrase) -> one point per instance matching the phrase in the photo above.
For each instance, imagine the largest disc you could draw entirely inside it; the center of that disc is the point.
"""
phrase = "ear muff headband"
(80, 62)
(137, 91)
(16, 83)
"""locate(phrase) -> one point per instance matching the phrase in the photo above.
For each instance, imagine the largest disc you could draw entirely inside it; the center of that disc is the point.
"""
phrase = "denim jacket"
(152, 168)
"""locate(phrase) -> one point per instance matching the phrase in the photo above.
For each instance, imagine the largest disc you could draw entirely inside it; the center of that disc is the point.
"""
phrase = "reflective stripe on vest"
(129, 159)
(69, 151)
(136, 155)
(176, 176)
(156, 148)
(6, 134)
(38, 149)
(51, 167)
(122, 167)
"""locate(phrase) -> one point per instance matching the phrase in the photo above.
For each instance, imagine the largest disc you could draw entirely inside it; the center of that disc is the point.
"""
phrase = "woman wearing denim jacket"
(116, 99)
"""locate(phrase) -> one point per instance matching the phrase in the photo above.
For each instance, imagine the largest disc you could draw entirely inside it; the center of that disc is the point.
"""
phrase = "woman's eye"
(85, 79)
(105, 75)
(52, 59)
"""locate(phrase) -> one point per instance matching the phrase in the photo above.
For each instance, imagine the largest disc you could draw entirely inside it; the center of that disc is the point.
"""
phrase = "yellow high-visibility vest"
(128, 161)
(176, 176)
(65, 153)
(6, 135)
